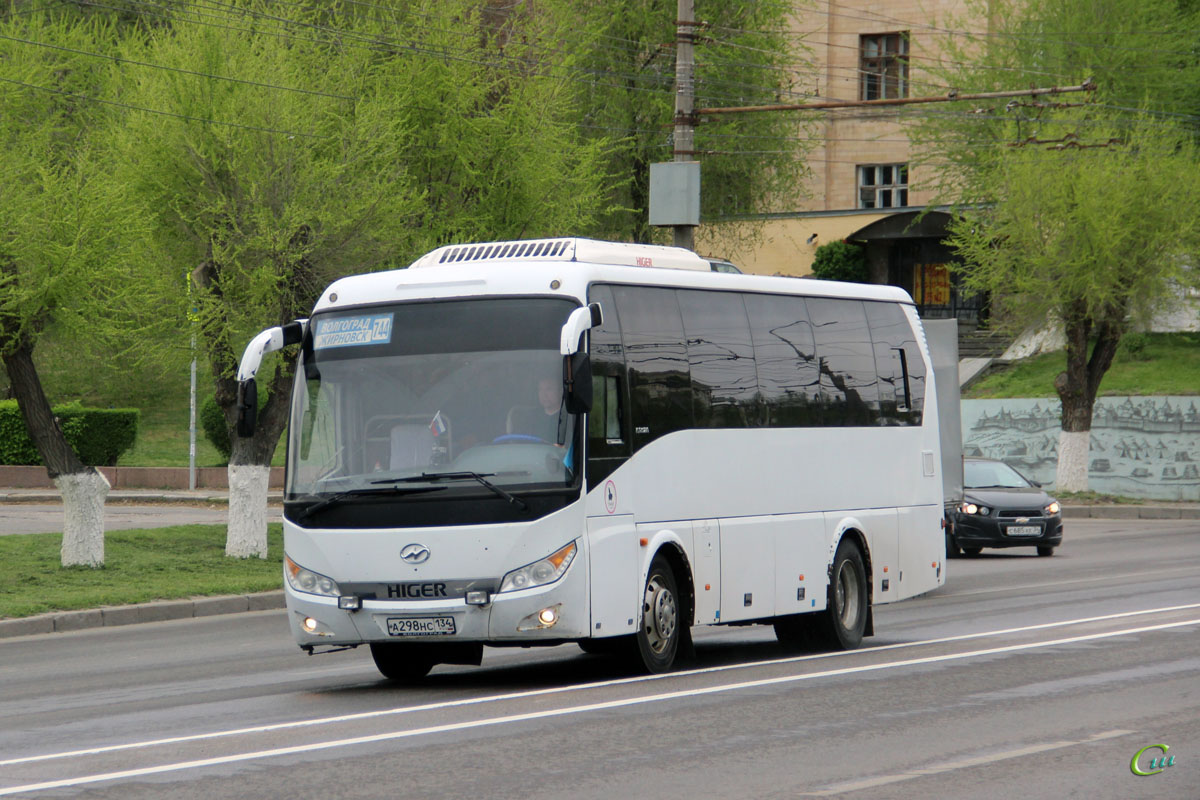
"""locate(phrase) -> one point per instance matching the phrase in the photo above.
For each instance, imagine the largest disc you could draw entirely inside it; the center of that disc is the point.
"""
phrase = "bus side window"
(660, 391)
(849, 391)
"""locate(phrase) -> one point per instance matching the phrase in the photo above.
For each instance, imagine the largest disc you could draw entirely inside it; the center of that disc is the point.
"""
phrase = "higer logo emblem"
(414, 553)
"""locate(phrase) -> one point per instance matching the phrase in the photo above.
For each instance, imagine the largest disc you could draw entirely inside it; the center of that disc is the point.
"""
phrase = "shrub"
(1132, 346)
(840, 261)
(212, 420)
(98, 435)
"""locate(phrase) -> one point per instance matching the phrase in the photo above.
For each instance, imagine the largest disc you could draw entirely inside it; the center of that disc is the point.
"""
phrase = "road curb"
(159, 611)
(1132, 512)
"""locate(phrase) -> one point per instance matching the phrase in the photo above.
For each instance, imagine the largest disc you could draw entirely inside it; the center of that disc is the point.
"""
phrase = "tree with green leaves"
(1078, 211)
(68, 233)
(288, 146)
(620, 63)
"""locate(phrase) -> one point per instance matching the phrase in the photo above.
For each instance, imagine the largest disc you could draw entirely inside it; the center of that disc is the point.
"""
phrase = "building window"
(884, 66)
(883, 186)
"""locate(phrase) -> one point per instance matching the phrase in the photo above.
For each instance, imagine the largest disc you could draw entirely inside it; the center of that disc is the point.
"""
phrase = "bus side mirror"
(582, 319)
(578, 383)
(247, 408)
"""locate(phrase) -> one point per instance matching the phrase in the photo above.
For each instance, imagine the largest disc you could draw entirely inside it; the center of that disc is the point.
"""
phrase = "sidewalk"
(148, 496)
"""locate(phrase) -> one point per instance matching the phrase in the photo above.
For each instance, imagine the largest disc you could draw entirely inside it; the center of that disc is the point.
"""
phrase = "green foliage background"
(840, 261)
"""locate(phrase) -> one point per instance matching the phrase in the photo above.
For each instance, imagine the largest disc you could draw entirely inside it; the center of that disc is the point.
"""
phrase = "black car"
(1002, 508)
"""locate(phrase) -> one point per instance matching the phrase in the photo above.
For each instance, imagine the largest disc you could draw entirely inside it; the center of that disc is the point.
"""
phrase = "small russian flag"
(438, 426)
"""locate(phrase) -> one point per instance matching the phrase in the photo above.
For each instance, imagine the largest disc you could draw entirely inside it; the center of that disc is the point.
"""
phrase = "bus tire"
(401, 663)
(660, 630)
(845, 617)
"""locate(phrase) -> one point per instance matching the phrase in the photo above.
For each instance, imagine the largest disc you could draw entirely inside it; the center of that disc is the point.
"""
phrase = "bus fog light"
(310, 624)
(350, 602)
(477, 598)
(546, 618)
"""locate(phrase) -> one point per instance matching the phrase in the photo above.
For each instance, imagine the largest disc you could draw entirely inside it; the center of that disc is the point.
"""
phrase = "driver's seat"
(412, 446)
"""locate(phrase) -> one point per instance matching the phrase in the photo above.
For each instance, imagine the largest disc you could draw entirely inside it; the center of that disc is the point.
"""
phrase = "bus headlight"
(539, 573)
(305, 580)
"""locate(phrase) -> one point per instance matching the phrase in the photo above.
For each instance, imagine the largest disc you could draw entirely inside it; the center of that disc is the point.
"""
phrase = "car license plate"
(1024, 530)
(420, 626)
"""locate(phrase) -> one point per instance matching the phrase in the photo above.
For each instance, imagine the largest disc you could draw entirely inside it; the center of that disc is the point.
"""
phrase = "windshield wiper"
(481, 478)
(341, 497)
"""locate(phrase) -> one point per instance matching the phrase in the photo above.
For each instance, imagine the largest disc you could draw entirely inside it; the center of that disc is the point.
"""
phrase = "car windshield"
(992, 475)
(423, 393)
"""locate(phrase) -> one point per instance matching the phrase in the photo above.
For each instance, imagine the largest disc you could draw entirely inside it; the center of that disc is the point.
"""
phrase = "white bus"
(566, 440)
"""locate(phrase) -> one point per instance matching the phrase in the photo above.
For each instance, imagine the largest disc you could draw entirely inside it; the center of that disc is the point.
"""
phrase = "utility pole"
(685, 99)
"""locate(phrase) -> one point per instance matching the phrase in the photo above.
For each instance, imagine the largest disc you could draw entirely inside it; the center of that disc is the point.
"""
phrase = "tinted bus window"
(846, 360)
(608, 422)
(899, 364)
(656, 358)
(785, 356)
(721, 359)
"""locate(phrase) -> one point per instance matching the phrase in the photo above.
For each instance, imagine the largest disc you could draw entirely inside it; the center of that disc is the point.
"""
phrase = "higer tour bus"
(566, 440)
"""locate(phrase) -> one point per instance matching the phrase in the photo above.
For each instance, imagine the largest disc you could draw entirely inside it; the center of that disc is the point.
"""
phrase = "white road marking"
(364, 715)
(572, 710)
(949, 766)
(1182, 572)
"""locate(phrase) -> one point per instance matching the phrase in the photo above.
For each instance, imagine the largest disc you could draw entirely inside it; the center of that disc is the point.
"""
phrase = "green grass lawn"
(1164, 364)
(140, 566)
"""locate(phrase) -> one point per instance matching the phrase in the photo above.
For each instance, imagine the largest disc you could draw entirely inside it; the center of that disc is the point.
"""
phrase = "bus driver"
(541, 420)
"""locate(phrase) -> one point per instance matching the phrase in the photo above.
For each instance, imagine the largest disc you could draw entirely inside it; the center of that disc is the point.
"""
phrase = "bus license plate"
(420, 626)
(1024, 530)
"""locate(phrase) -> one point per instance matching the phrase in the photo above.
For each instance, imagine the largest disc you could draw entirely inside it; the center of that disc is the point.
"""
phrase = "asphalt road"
(1023, 677)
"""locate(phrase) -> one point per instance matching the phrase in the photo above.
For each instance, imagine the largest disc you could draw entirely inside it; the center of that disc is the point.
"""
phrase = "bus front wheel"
(845, 617)
(659, 634)
(401, 663)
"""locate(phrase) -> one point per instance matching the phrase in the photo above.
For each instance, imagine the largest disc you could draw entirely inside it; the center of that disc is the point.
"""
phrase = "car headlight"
(971, 508)
(305, 580)
(539, 573)
(1052, 509)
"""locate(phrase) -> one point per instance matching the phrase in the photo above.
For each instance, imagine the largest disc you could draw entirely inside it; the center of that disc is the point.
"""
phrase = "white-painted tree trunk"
(247, 511)
(83, 495)
(1072, 475)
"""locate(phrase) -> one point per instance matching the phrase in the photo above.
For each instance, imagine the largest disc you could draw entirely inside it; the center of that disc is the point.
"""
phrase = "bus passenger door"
(706, 570)
(613, 576)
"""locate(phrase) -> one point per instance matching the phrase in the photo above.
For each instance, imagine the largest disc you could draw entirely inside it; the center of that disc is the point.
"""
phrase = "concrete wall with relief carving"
(1140, 446)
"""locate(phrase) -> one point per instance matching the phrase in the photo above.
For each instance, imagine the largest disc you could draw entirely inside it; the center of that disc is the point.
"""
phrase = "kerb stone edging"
(62, 621)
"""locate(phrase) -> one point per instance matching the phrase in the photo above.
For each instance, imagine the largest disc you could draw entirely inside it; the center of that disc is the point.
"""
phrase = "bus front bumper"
(547, 614)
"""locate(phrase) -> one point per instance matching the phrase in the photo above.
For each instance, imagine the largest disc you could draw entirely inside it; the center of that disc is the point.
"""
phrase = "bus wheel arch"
(848, 615)
(665, 610)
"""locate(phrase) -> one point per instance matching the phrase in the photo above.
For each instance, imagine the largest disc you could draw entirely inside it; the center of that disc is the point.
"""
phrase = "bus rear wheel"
(401, 663)
(660, 631)
(845, 617)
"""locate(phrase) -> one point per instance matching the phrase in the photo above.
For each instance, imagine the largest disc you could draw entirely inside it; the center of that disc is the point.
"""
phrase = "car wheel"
(972, 551)
(401, 663)
(952, 548)
(659, 634)
(1045, 551)
(845, 617)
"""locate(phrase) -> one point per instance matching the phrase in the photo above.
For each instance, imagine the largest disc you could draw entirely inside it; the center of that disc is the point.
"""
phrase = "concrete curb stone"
(63, 621)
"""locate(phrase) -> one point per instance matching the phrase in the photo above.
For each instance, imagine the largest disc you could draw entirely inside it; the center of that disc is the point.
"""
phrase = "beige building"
(863, 186)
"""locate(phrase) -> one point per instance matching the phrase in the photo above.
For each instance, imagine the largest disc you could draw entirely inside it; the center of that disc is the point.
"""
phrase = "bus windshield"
(433, 394)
